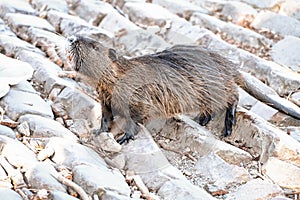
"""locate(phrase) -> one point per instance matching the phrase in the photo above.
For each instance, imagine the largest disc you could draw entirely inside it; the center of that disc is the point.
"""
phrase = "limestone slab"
(45, 127)
(220, 173)
(96, 179)
(39, 177)
(283, 25)
(12, 45)
(6, 193)
(257, 189)
(80, 106)
(287, 52)
(177, 189)
(58, 5)
(17, 153)
(17, 6)
(4, 130)
(283, 173)
(16, 21)
(18, 103)
(72, 154)
(12, 72)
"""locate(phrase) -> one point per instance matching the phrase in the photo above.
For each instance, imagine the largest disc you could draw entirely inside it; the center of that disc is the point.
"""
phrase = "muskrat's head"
(89, 56)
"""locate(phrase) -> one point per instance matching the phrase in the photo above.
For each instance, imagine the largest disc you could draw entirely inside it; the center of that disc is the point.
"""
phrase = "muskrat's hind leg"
(229, 119)
(130, 131)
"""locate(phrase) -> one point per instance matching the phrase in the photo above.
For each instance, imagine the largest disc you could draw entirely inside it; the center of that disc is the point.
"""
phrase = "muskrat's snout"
(72, 39)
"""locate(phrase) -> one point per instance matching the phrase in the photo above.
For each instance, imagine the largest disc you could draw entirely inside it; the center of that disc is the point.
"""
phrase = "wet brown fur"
(182, 79)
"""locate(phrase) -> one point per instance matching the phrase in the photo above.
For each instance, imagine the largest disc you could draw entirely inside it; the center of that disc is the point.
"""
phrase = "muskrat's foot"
(130, 131)
(229, 120)
(203, 119)
(126, 138)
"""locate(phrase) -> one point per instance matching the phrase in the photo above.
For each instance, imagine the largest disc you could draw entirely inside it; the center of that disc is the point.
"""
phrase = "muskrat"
(182, 79)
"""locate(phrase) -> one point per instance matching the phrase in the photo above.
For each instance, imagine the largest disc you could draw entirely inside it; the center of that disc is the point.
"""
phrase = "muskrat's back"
(176, 81)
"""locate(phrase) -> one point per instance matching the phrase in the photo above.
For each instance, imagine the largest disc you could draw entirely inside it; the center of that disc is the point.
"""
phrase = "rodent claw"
(125, 138)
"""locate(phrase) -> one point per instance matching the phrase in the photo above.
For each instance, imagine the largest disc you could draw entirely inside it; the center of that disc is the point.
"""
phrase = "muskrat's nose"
(72, 39)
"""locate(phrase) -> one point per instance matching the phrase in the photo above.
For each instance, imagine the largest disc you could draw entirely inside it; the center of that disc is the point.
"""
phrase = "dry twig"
(72, 185)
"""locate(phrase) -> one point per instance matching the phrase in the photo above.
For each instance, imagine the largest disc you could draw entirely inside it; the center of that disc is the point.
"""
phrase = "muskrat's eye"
(95, 47)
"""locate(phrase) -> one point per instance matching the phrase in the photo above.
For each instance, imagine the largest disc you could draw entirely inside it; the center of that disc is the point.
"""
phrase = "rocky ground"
(48, 150)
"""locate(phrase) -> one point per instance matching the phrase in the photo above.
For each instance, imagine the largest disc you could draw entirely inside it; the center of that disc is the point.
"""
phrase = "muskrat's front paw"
(126, 138)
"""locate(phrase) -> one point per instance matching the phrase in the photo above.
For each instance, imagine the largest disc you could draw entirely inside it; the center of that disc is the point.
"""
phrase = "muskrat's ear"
(112, 54)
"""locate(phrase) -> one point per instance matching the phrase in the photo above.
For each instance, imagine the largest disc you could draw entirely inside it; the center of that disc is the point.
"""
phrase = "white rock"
(189, 133)
(281, 79)
(296, 98)
(20, 102)
(263, 110)
(17, 21)
(13, 44)
(4, 88)
(80, 128)
(70, 25)
(238, 33)
(46, 72)
(4, 130)
(99, 179)
(238, 11)
(263, 139)
(257, 189)
(246, 100)
(39, 177)
(179, 189)
(262, 3)
(45, 127)
(287, 52)
(58, 5)
(69, 153)
(283, 173)
(81, 106)
(17, 153)
(12, 72)
(180, 7)
(220, 173)
(5, 181)
(52, 43)
(58, 195)
(55, 18)
(6, 193)
(144, 157)
(93, 11)
(145, 13)
(115, 22)
(114, 196)
(280, 24)
(210, 5)
(290, 8)
(107, 142)
(7, 6)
